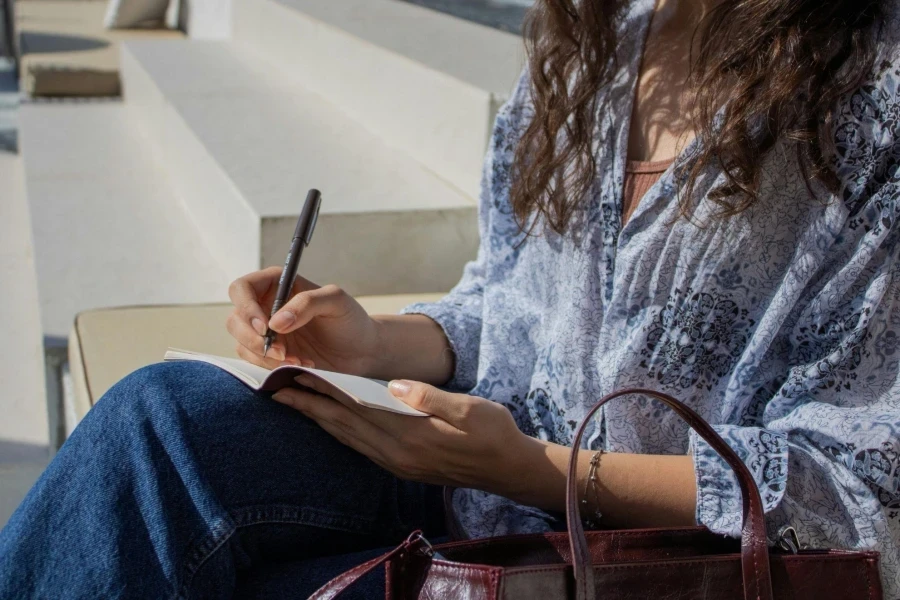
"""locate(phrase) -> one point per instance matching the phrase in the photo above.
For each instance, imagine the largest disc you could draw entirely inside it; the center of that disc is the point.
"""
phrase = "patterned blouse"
(779, 326)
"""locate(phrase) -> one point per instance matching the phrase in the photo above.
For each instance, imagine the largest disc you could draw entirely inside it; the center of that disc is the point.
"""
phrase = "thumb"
(325, 301)
(453, 408)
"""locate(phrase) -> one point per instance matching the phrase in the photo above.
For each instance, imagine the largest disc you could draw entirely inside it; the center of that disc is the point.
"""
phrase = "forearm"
(412, 347)
(634, 490)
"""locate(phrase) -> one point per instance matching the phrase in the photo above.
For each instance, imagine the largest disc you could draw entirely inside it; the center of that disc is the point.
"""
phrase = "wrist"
(379, 356)
(532, 474)
(410, 347)
(538, 472)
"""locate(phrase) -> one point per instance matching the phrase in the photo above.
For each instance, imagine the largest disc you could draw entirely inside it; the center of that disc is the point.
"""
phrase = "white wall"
(207, 19)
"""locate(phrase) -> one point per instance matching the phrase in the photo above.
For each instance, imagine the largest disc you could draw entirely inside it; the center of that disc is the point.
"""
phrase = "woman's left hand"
(466, 442)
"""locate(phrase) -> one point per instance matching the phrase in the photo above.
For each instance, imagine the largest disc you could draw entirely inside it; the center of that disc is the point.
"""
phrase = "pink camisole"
(639, 178)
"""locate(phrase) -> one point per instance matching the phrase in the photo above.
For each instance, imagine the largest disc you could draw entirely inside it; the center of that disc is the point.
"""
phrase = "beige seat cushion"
(67, 52)
(107, 344)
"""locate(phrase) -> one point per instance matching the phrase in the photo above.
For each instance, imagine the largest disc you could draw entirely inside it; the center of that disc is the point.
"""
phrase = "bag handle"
(334, 588)
(754, 545)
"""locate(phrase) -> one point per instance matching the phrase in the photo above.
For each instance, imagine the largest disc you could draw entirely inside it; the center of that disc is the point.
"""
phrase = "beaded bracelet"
(591, 484)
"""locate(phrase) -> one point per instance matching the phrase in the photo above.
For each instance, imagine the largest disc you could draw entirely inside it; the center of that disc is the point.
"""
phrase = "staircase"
(198, 175)
(243, 143)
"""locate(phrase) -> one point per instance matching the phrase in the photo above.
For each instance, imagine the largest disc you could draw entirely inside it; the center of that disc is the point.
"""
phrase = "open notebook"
(371, 393)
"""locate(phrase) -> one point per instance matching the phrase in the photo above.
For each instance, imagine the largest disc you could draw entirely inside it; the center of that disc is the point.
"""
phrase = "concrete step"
(424, 81)
(23, 426)
(109, 229)
(15, 482)
(243, 144)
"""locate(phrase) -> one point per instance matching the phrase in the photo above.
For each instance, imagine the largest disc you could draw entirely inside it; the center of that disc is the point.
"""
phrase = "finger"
(452, 408)
(245, 294)
(397, 426)
(301, 284)
(263, 281)
(248, 292)
(363, 448)
(250, 339)
(312, 383)
(256, 359)
(318, 386)
(327, 301)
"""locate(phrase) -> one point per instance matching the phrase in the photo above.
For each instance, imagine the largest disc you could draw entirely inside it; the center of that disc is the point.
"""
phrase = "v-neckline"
(641, 176)
(642, 12)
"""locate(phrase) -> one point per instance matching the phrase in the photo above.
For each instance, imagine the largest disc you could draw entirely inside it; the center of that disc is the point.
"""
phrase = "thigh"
(248, 451)
(180, 477)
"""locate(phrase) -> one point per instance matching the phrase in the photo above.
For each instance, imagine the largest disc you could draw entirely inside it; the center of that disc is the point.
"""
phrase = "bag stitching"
(624, 532)
(668, 565)
(869, 584)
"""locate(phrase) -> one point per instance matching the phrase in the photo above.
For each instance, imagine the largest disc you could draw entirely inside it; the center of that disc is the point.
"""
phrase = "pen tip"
(265, 349)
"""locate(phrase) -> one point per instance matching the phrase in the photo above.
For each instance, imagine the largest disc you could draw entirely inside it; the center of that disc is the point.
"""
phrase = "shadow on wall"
(506, 15)
(20, 466)
(38, 43)
(19, 453)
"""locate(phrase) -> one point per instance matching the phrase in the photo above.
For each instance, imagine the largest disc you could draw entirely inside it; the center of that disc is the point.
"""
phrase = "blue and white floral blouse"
(781, 326)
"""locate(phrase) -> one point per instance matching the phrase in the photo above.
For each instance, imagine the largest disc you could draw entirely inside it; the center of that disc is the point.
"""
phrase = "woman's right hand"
(319, 327)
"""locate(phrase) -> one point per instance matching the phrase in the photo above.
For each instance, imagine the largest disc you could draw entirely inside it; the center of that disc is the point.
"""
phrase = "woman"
(757, 279)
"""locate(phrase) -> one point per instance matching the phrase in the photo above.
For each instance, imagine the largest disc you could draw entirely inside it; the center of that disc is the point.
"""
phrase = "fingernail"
(282, 320)
(280, 397)
(258, 325)
(399, 387)
(277, 353)
(303, 380)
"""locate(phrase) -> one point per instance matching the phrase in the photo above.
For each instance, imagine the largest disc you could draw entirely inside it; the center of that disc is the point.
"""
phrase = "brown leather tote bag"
(669, 563)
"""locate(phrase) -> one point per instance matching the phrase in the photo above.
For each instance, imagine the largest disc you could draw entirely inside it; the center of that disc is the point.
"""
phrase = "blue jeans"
(183, 483)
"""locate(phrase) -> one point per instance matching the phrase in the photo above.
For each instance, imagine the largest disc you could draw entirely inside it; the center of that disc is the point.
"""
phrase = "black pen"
(306, 224)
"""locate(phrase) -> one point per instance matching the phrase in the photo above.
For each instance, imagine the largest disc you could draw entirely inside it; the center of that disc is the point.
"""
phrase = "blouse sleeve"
(459, 313)
(826, 452)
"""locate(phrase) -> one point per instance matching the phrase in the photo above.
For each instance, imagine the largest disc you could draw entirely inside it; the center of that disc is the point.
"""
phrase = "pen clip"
(312, 222)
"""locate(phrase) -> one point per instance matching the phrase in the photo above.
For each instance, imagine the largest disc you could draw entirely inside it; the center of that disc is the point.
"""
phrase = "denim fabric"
(183, 483)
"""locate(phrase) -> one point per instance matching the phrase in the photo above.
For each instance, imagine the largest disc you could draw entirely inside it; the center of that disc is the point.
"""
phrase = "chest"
(660, 120)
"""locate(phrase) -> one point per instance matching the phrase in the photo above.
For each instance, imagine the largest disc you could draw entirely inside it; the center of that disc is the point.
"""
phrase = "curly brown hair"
(783, 64)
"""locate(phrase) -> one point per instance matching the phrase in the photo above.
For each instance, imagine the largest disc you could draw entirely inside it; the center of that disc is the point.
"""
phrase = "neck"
(687, 13)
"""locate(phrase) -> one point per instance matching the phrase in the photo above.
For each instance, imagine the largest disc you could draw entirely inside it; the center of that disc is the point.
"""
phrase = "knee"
(194, 412)
(166, 394)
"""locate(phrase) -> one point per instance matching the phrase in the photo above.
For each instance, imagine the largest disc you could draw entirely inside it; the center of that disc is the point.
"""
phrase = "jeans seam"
(247, 517)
